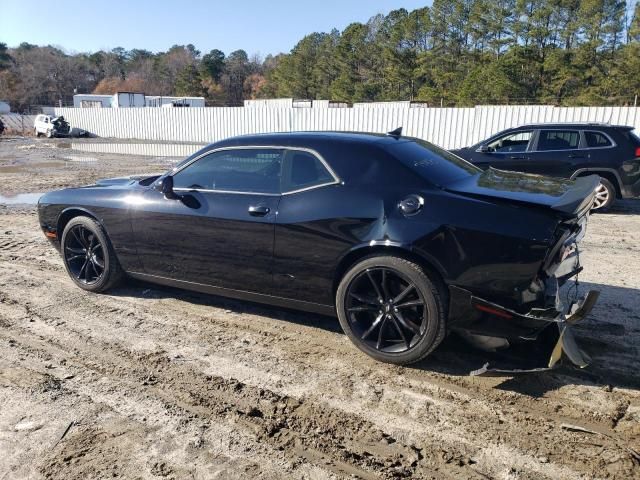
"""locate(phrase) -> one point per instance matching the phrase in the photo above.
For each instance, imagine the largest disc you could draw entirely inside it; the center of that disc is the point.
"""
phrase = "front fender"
(109, 207)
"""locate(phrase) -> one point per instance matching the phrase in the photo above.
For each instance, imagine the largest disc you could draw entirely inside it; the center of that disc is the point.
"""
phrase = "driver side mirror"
(166, 187)
(484, 149)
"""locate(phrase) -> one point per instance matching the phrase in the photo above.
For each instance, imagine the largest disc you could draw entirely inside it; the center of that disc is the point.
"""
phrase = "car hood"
(563, 195)
(126, 181)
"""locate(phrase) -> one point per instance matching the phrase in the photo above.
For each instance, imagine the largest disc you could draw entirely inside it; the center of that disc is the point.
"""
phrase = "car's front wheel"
(605, 195)
(390, 309)
(88, 255)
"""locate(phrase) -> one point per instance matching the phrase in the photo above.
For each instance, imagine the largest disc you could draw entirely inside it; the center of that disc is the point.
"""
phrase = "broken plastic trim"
(546, 314)
(566, 344)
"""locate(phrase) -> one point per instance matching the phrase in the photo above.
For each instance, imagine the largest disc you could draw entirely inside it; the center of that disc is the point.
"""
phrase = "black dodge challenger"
(404, 241)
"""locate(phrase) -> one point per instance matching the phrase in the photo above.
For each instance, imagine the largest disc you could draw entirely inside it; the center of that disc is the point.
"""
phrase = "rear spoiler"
(579, 197)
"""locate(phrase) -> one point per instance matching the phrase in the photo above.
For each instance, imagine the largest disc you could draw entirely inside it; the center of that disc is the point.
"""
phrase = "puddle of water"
(146, 149)
(80, 159)
(24, 167)
(20, 199)
(33, 146)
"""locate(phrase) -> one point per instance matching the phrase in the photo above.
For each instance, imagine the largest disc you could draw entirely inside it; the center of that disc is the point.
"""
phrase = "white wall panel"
(447, 127)
(15, 121)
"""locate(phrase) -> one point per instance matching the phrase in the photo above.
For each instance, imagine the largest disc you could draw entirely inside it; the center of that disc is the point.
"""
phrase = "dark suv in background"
(567, 150)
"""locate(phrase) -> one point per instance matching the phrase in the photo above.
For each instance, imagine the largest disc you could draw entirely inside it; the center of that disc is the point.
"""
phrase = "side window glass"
(597, 139)
(514, 142)
(250, 170)
(303, 170)
(558, 140)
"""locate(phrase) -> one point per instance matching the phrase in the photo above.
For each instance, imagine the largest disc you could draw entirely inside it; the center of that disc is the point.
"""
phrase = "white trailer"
(269, 103)
(92, 101)
(169, 102)
(128, 100)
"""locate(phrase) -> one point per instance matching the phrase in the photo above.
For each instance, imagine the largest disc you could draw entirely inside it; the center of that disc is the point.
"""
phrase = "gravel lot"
(150, 382)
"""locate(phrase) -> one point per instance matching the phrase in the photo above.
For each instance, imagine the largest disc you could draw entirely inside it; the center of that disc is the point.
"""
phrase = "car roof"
(580, 125)
(322, 142)
(302, 138)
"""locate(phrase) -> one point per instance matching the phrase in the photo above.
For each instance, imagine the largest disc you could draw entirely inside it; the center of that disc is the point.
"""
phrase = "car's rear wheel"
(390, 309)
(88, 255)
(605, 195)
(37, 133)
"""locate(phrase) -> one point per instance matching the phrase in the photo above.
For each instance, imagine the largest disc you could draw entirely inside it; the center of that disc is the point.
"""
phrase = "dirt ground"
(148, 382)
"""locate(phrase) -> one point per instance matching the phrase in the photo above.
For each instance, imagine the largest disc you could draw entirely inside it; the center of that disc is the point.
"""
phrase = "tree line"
(453, 53)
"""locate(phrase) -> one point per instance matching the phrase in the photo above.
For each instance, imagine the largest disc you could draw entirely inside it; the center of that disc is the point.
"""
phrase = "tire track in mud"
(396, 403)
(156, 435)
(341, 443)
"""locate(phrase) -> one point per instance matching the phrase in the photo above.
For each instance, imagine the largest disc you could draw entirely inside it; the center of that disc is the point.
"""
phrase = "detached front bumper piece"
(559, 339)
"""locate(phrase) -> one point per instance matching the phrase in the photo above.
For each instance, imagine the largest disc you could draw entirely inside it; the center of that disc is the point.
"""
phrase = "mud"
(148, 382)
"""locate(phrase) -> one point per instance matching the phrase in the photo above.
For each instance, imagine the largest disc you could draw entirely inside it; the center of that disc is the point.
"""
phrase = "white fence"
(447, 127)
(18, 123)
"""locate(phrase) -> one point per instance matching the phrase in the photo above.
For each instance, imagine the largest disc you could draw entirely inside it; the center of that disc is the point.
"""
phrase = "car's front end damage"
(61, 127)
(547, 310)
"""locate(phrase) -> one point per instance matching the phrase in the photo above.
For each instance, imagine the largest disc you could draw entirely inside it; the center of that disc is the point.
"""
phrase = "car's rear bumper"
(495, 321)
(490, 324)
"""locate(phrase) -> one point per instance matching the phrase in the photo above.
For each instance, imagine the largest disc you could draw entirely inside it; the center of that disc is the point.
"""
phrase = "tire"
(358, 311)
(96, 271)
(37, 132)
(49, 134)
(605, 196)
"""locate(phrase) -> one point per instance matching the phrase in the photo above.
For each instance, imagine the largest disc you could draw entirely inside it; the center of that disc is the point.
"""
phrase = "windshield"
(431, 162)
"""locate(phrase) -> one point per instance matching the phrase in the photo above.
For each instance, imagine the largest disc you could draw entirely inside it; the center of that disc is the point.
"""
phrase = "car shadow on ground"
(612, 345)
(630, 206)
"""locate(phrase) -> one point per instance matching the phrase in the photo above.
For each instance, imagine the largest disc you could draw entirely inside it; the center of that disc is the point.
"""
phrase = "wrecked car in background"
(403, 241)
(51, 126)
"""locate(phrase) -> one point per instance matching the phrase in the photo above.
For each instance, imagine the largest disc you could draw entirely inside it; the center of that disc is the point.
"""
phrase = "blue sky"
(267, 26)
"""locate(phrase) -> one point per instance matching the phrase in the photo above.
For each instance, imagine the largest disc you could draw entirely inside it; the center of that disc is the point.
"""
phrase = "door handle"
(573, 155)
(517, 157)
(258, 210)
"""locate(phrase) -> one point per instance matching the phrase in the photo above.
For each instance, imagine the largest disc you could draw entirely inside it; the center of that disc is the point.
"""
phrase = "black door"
(221, 231)
(508, 152)
(317, 221)
(556, 153)
(598, 151)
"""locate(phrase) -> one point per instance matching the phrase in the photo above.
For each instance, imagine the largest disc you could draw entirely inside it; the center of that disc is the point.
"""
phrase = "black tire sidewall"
(110, 267)
(436, 323)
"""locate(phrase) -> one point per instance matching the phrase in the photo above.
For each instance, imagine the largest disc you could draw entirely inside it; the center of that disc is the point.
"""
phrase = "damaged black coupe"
(404, 241)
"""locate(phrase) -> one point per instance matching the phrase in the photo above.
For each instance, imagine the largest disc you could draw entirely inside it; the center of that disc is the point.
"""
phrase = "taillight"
(637, 152)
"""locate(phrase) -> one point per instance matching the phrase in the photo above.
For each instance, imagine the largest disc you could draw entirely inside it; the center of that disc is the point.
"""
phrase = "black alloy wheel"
(88, 255)
(391, 310)
(84, 255)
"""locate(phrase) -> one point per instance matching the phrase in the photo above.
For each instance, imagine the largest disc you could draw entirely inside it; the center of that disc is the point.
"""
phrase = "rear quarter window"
(432, 163)
(596, 139)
